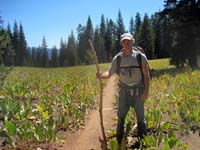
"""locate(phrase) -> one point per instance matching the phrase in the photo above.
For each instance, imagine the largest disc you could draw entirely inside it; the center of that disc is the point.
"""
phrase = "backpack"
(139, 60)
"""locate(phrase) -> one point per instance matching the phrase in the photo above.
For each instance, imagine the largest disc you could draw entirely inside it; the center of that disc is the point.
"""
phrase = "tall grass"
(173, 107)
(36, 103)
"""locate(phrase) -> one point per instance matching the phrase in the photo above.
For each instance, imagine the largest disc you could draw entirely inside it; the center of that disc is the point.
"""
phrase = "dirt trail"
(88, 138)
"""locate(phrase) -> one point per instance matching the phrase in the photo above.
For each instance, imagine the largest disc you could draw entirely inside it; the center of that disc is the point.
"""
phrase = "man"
(134, 82)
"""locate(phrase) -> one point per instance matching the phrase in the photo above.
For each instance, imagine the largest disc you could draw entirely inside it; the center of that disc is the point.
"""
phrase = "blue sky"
(57, 18)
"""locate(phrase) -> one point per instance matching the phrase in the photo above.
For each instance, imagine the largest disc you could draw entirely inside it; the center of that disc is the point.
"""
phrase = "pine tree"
(185, 24)
(6, 50)
(109, 40)
(54, 57)
(44, 52)
(62, 53)
(89, 34)
(102, 41)
(156, 35)
(138, 25)
(131, 26)
(28, 59)
(22, 48)
(99, 45)
(39, 57)
(146, 41)
(34, 56)
(114, 37)
(11, 52)
(89, 31)
(166, 37)
(4, 40)
(16, 44)
(72, 58)
(81, 42)
(102, 27)
(120, 29)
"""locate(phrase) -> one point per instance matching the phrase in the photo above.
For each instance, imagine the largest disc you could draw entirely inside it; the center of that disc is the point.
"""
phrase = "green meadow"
(36, 103)
(172, 110)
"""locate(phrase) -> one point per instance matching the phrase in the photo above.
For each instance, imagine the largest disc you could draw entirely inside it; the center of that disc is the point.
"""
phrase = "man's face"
(127, 43)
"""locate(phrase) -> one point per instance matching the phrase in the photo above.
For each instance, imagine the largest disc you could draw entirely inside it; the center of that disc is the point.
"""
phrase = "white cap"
(127, 36)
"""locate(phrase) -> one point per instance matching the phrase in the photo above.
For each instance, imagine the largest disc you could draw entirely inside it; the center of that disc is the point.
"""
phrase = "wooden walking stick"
(101, 96)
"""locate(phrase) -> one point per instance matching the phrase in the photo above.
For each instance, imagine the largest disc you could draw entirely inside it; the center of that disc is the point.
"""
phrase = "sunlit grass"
(38, 102)
(160, 64)
(172, 107)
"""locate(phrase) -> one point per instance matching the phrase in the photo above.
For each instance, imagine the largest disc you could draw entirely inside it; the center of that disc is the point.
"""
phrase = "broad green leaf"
(11, 128)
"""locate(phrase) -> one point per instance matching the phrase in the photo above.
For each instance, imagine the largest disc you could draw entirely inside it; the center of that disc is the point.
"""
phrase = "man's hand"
(144, 95)
(104, 75)
(98, 75)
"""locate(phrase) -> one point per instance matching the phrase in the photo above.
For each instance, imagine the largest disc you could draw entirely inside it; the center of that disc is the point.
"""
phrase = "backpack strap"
(139, 59)
(119, 58)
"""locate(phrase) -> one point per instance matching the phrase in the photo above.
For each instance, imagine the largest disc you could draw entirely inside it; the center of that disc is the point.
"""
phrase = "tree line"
(172, 33)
